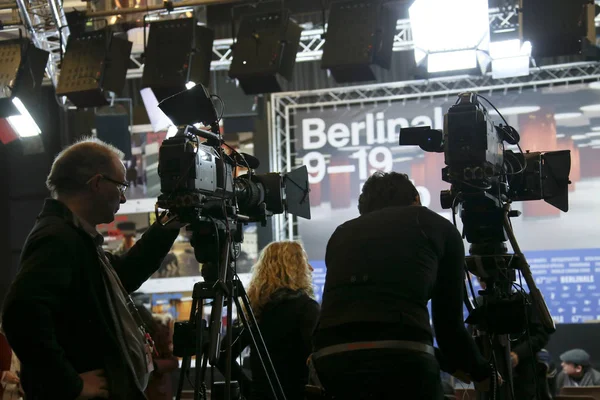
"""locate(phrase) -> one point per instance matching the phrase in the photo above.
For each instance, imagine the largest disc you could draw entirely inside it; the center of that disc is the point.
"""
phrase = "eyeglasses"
(122, 186)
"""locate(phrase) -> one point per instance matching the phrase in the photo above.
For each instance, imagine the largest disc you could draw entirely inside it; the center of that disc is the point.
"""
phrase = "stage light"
(359, 34)
(451, 61)
(23, 123)
(265, 51)
(178, 54)
(21, 73)
(558, 27)
(510, 58)
(446, 28)
(94, 63)
(158, 119)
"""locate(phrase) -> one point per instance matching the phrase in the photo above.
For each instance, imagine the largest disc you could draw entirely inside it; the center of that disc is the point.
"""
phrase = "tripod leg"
(185, 365)
(257, 340)
(199, 394)
(217, 308)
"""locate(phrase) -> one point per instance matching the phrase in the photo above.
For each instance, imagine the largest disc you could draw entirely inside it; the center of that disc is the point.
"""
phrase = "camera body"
(479, 168)
(191, 172)
(473, 148)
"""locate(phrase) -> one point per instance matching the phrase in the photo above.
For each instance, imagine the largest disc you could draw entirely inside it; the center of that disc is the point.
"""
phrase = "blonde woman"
(281, 296)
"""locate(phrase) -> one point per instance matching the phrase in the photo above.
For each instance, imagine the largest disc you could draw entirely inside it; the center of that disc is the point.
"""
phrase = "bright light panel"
(452, 61)
(158, 119)
(23, 124)
(510, 58)
(442, 25)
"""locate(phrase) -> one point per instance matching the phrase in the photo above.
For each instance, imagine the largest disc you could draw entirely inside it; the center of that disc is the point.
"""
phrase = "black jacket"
(56, 314)
(286, 324)
(382, 269)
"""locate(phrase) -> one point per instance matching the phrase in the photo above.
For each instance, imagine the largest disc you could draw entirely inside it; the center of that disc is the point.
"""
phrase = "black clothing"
(529, 372)
(56, 314)
(286, 324)
(380, 375)
(382, 269)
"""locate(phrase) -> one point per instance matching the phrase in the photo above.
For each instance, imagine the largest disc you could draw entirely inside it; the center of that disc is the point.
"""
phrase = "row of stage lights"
(447, 36)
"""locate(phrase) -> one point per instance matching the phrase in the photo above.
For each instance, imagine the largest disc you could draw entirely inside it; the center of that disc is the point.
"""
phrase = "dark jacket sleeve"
(37, 294)
(310, 314)
(447, 311)
(535, 341)
(144, 258)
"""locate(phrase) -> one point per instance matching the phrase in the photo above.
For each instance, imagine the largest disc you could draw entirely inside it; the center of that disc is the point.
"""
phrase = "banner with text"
(343, 146)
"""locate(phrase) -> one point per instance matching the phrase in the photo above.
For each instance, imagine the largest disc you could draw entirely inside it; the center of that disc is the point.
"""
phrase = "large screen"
(342, 146)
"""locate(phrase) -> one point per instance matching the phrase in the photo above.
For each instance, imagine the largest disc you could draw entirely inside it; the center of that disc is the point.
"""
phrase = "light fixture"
(444, 27)
(21, 74)
(23, 123)
(510, 58)
(593, 134)
(560, 135)
(158, 119)
(95, 63)
(558, 27)
(265, 51)
(179, 51)
(360, 35)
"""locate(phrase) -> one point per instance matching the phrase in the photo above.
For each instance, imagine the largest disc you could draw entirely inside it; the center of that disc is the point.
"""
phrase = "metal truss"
(283, 106)
(45, 21)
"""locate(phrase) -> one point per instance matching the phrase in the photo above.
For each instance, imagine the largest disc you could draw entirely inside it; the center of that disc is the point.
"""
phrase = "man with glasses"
(68, 315)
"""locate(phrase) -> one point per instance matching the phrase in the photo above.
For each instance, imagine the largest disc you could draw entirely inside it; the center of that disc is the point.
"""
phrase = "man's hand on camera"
(170, 221)
(94, 385)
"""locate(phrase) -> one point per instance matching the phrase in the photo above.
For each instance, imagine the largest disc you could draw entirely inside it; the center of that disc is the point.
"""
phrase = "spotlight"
(178, 54)
(21, 72)
(95, 62)
(557, 27)
(177, 57)
(510, 58)
(359, 34)
(265, 51)
(450, 35)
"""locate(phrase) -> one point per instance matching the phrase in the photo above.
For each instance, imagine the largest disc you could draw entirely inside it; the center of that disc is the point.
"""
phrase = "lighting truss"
(43, 18)
(283, 107)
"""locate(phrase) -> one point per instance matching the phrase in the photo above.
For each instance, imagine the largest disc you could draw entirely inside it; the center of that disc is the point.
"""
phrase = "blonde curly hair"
(280, 265)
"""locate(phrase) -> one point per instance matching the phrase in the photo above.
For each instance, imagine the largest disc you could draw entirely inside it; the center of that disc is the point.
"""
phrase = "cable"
(505, 130)
(222, 106)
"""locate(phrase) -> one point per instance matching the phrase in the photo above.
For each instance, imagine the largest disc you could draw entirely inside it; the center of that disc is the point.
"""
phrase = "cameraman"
(373, 339)
(68, 314)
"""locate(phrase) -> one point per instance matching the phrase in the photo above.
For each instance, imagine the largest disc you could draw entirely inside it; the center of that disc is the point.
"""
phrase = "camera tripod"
(226, 290)
(503, 312)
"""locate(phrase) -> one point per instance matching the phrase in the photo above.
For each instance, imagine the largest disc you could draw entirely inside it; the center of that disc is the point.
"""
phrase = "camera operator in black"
(382, 269)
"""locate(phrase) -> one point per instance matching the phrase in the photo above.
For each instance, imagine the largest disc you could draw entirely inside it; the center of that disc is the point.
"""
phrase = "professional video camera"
(485, 179)
(200, 187)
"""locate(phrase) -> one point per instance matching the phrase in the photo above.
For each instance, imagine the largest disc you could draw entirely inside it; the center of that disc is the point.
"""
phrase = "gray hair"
(79, 162)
